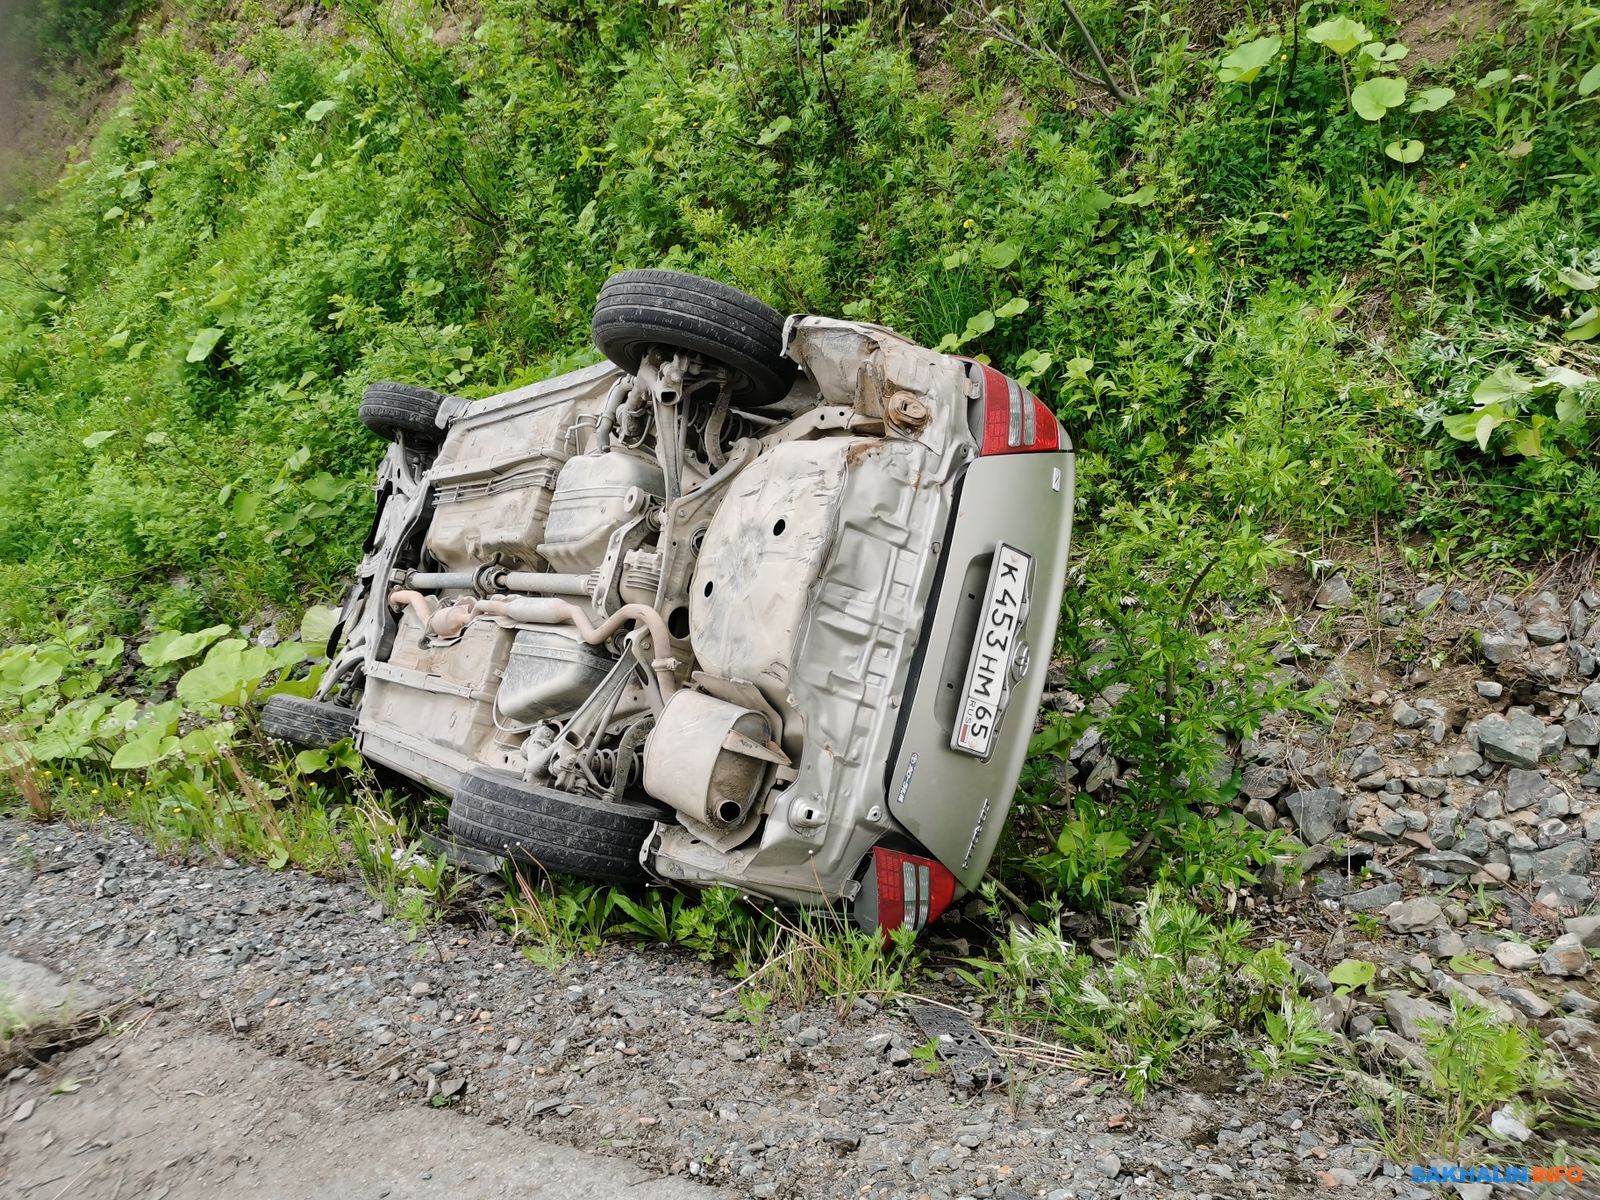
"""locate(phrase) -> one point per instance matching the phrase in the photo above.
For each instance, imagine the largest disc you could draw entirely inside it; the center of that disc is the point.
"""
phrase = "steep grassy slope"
(1249, 314)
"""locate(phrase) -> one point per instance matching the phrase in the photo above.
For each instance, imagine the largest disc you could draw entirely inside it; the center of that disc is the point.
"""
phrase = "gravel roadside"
(629, 1053)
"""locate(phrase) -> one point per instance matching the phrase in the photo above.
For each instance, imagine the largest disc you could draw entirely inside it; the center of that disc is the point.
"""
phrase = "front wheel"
(575, 835)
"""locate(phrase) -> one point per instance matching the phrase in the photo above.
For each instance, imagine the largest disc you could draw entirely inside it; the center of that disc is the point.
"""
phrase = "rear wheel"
(596, 839)
(314, 724)
(392, 409)
(640, 309)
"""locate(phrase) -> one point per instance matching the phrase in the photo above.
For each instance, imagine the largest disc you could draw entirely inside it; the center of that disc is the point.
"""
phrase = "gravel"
(615, 1052)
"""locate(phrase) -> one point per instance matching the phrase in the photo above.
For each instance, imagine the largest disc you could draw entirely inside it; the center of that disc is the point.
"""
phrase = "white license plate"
(993, 648)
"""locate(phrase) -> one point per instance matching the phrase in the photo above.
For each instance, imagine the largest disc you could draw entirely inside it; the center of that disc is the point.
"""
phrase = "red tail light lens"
(903, 891)
(1015, 421)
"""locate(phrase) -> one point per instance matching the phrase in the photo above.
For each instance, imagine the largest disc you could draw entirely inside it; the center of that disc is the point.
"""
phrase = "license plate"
(993, 648)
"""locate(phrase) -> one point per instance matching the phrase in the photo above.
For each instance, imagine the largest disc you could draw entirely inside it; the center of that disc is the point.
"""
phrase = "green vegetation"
(1475, 1063)
(1287, 280)
(1297, 281)
(1242, 306)
(1181, 987)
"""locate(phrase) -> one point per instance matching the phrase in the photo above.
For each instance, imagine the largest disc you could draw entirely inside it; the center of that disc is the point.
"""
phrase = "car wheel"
(392, 409)
(596, 839)
(315, 724)
(640, 309)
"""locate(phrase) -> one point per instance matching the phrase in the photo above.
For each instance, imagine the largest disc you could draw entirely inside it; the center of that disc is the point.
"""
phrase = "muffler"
(708, 759)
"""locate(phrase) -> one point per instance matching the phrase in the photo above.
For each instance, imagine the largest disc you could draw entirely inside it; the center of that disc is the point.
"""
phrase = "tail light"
(1015, 421)
(903, 891)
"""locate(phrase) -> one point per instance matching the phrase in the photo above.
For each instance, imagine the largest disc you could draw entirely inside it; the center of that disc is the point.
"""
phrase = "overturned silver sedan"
(760, 601)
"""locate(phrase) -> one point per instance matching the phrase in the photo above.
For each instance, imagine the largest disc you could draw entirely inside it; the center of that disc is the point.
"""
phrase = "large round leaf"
(1377, 96)
(1339, 34)
(1248, 60)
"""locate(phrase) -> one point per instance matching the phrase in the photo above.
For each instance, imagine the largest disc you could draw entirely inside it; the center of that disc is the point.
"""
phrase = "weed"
(928, 1055)
(1475, 1062)
(1182, 985)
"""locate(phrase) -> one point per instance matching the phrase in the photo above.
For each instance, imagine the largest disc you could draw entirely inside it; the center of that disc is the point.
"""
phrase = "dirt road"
(281, 1037)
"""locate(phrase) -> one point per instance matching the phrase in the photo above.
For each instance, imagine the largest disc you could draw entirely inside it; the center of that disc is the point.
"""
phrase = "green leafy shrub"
(1172, 681)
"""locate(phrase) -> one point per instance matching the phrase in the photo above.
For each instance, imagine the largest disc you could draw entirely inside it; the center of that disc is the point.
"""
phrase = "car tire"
(392, 409)
(640, 309)
(314, 724)
(557, 831)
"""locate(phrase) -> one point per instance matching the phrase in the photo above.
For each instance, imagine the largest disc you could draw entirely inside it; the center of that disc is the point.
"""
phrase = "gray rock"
(1586, 929)
(1427, 786)
(1526, 1002)
(1515, 738)
(1525, 788)
(1475, 838)
(1446, 861)
(1442, 832)
(1566, 957)
(1332, 1011)
(1427, 597)
(1572, 1031)
(1373, 830)
(1590, 697)
(1330, 886)
(1583, 660)
(1391, 1045)
(1263, 783)
(1578, 614)
(1260, 813)
(1102, 773)
(1449, 986)
(1448, 944)
(1313, 979)
(1335, 592)
(1407, 1013)
(1583, 730)
(1498, 648)
(1368, 762)
(1109, 1165)
(1569, 858)
(1577, 1002)
(1462, 763)
(1317, 813)
(1415, 916)
(1403, 715)
(1549, 663)
(1553, 832)
(1545, 633)
(1566, 892)
(1556, 804)
(1488, 689)
(1515, 956)
(1373, 898)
